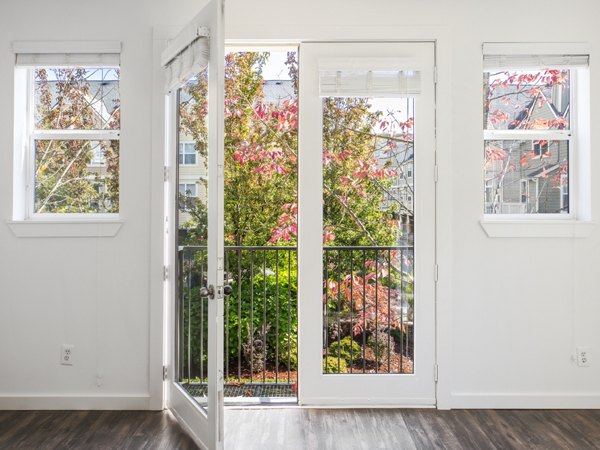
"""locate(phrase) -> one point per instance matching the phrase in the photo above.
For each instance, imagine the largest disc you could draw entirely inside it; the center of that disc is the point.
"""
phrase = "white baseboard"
(525, 401)
(83, 402)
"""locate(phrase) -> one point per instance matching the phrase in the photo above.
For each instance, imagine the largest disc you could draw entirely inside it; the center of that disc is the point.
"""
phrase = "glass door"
(194, 193)
(366, 256)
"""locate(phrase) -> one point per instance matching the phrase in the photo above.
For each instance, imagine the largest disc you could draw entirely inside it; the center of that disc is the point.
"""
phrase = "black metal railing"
(260, 314)
(367, 312)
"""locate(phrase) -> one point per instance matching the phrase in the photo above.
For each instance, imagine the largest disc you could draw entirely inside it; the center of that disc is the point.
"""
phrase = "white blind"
(502, 62)
(67, 53)
(366, 77)
(186, 55)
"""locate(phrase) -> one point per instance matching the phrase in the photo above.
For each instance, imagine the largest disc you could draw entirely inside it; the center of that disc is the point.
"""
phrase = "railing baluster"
(364, 305)
(376, 313)
(339, 309)
(351, 311)
(326, 312)
(289, 311)
(264, 349)
(276, 316)
(189, 324)
(226, 359)
(401, 311)
(389, 311)
(251, 337)
(202, 300)
(239, 313)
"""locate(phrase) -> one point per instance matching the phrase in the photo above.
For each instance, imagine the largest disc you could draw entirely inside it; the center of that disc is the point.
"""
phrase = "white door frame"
(315, 388)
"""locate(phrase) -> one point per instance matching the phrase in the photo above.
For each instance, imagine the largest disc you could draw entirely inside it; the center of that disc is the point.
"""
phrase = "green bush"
(330, 365)
(347, 349)
(266, 294)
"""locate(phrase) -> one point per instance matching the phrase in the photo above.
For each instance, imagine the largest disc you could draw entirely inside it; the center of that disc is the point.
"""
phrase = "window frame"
(32, 135)
(550, 135)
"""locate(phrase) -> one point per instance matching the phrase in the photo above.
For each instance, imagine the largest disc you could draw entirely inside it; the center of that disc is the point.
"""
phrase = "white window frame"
(578, 221)
(29, 56)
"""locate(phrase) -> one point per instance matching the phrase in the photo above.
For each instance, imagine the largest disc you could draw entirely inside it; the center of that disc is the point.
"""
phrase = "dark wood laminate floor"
(309, 429)
(91, 430)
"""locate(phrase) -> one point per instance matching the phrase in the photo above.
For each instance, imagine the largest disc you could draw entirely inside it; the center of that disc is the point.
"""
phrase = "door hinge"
(435, 372)
(166, 173)
(165, 372)
(435, 173)
(436, 273)
(165, 273)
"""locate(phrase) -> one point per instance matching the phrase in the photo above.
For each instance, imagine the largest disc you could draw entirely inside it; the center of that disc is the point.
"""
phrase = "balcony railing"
(367, 313)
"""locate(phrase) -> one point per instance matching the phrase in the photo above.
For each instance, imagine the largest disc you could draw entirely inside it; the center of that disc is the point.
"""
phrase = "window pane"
(77, 99)
(526, 177)
(526, 100)
(368, 192)
(67, 179)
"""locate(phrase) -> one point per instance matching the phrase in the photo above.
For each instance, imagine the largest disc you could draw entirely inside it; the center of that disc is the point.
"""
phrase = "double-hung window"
(68, 121)
(530, 116)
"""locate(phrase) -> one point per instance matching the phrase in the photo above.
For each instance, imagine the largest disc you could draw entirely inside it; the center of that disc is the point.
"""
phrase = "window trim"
(30, 54)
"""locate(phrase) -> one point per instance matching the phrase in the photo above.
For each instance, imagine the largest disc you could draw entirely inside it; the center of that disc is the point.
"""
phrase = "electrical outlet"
(66, 354)
(583, 356)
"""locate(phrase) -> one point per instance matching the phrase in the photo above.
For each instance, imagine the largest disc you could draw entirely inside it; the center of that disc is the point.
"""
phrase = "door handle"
(208, 291)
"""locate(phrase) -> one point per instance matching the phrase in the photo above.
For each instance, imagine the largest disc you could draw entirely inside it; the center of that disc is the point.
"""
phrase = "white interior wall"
(511, 310)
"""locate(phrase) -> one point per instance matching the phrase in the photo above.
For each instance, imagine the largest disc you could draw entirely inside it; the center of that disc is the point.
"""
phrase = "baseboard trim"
(525, 401)
(75, 402)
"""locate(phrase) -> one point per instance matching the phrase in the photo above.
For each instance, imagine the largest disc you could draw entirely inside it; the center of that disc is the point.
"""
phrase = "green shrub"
(330, 365)
(347, 349)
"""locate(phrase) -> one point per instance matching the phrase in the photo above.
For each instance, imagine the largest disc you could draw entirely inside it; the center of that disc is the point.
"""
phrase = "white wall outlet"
(583, 356)
(66, 354)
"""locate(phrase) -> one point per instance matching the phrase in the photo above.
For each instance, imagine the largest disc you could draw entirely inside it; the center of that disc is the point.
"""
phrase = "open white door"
(193, 64)
(366, 303)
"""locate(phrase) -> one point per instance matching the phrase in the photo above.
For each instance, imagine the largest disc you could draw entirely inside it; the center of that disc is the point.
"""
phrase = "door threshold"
(245, 402)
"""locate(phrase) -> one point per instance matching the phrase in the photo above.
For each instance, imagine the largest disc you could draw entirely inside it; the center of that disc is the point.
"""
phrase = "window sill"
(71, 228)
(537, 228)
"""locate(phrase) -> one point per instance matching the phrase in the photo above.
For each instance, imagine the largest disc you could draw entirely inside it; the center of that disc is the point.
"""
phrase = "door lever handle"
(208, 291)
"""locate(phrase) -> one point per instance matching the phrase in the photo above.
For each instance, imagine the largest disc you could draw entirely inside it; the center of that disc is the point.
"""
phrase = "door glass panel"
(192, 196)
(368, 239)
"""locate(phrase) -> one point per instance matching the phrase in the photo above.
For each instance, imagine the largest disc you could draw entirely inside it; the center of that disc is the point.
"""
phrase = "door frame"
(334, 389)
(442, 38)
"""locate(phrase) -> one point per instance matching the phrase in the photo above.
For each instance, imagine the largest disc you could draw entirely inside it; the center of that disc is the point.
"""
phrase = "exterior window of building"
(529, 141)
(187, 154)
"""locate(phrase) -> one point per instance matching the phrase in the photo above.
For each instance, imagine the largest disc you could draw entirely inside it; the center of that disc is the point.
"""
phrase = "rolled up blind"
(376, 78)
(502, 62)
(186, 56)
(67, 53)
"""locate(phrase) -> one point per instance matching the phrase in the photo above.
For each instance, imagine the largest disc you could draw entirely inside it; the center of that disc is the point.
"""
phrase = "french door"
(193, 64)
(366, 242)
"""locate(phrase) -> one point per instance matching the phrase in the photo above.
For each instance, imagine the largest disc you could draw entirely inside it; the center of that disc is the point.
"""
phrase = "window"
(69, 107)
(187, 154)
(529, 133)
(188, 189)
